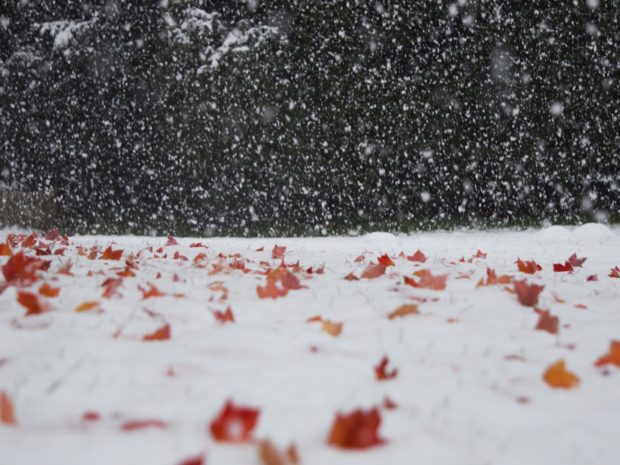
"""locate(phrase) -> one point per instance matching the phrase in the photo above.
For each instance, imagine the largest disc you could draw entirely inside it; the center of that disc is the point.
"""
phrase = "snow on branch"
(239, 41)
(65, 31)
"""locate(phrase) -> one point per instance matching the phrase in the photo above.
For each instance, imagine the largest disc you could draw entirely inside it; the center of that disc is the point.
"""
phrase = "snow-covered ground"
(469, 387)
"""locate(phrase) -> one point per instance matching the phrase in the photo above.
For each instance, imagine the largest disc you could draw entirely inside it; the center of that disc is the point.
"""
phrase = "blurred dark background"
(306, 116)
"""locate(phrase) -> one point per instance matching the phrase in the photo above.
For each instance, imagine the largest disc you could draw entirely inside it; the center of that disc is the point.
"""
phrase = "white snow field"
(84, 387)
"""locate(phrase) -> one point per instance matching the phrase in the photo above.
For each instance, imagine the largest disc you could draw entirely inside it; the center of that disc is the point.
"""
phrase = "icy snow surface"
(469, 388)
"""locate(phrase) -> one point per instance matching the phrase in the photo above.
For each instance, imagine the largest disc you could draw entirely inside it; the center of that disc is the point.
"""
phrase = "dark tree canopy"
(309, 117)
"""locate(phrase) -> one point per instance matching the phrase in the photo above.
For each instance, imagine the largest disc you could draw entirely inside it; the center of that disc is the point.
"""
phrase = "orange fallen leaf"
(5, 250)
(86, 306)
(612, 357)
(404, 310)
(152, 291)
(270, 455)
(234, 424)
(109, 254)
(7, 411)
(162, 334)
(380, 370)
(49, 291)
(356, 430)
(528, 267)
(332, 328)
(557, 376)
(278, 251)
(65, 269)
(31, 302)
(493, 279)
(270, 291)
(373, 271)
(428, 280)
(527, 294)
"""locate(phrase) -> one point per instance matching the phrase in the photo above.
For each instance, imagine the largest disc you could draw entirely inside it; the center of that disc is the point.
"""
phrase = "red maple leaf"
(615, 272)
(373, 271)
(110, 287)
(161, 334)
(562, 268)
(196, 460)
(529, 267)
(576, 262)
(527, 293)
(547, 322)
(171, 241)
(592, 277)
(234, 424)
(351, 277)
(612, 357)
(52, 234)
(278, 251)
(418, 256)
(389, 404)
(133, 425)
(21, 269)
(385, 260)
(91, 416)
(479, 254)
(7, 411)
(178, 256)
(110, 254)
(30, 240)
(224, 317)
(380, 370)
(290, 281)
(356, 430)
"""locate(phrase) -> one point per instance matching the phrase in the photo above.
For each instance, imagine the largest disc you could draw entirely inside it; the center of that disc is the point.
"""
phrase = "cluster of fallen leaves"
(28, 268)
